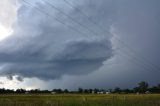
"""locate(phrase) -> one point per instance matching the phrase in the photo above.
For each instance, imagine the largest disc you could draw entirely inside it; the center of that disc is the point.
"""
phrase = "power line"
(43, 12)
(59, 20)
(134, 60)
(117, 38)
(82, 25)
(92, 21)
(134, 54)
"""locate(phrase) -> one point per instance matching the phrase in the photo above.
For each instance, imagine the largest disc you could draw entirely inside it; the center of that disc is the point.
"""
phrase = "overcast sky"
(79, 43)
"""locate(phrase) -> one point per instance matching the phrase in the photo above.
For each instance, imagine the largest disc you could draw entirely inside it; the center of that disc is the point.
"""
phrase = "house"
(147, 92)
(53, 92)
(101, 92)
(26, 92)
(108, 92)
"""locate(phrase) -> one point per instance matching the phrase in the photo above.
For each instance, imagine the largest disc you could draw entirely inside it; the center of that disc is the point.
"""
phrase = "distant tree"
(20, 91)
(110, 90)
(66, 91)
(142, 87)
(136, 89)
(158, 86)
(35, 91)
(155, 89)
(86, 91)
(45, 91)
(2, 90)
(102, 90)
(117, 90)
(80, 90)
(96, 90)
(90, 90)
(58, 90)
(127, 91)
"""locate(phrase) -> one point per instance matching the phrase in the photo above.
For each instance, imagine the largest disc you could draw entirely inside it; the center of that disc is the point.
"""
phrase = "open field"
(80, 100)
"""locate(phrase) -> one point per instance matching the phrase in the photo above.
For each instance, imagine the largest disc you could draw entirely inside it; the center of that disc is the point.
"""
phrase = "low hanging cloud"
(44, 48)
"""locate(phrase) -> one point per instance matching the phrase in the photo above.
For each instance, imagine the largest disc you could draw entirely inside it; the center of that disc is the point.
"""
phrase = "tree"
(142, 87)
(86, 91)
(58, 90)
(80, 90)
(96, 90)
(117, 90)
(90, 90)
(155, 89)
(127, 91)
(20, 91)
(66, 91)
(158, 86)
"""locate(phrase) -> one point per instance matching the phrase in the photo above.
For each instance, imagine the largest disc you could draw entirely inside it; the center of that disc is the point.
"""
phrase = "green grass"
(80, 100)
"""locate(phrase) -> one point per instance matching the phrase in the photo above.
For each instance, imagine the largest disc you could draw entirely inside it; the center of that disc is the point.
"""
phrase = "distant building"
(147, 92)
(108, 92)
(53, 92)
(26, 92)
(101, 92)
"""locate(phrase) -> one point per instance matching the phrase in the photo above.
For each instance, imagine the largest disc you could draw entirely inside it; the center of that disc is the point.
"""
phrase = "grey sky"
(40, 47)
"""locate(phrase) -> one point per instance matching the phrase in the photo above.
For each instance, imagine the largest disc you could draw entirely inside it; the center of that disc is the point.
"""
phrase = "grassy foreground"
(80, 100)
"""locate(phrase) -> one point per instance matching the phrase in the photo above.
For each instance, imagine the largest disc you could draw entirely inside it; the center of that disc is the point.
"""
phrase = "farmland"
(80, 100)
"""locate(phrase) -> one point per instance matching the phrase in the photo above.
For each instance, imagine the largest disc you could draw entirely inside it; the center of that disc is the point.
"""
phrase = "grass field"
(80, 100)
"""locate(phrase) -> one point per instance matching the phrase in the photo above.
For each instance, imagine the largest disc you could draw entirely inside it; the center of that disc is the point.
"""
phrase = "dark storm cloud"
(19, 78)
(137, 24)
(76, 58)
(44, 48)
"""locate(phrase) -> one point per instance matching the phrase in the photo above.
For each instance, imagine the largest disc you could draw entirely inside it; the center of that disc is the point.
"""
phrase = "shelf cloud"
(45, 48)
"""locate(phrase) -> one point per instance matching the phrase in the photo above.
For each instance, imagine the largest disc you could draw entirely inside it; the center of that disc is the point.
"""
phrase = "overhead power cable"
(56, 18)
(54, 7)
(73, 28)
(142, 58)
(71, 18)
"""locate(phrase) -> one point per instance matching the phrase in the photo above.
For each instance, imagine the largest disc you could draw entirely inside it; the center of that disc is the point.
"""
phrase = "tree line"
(143, 87)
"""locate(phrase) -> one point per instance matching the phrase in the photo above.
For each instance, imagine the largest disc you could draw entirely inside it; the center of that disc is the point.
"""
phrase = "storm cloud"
(44, 48)
(71, 53)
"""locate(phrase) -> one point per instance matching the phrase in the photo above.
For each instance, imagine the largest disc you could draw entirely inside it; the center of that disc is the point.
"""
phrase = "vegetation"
(80, 100)
(142, 88)
(142, 95)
